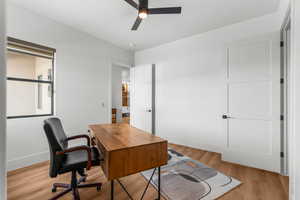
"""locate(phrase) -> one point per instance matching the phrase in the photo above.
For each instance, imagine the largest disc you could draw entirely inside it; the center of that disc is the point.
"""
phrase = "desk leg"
(112, 190)
(158, 183)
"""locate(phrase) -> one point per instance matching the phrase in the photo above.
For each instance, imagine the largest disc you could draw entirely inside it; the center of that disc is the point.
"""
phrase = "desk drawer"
(98, 145)
(129, 161)
(128, 150)
(105, 162)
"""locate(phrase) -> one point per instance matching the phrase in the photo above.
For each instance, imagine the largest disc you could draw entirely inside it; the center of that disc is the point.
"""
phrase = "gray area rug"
(186, 179)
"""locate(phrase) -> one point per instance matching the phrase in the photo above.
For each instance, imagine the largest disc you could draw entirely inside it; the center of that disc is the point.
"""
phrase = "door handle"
(149, 110)
(225, 117)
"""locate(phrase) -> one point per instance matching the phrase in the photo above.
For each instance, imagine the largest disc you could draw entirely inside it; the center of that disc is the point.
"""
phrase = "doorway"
(120, 101)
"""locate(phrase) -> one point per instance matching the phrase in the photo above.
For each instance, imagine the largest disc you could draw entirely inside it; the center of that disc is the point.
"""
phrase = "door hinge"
(281, 43)
(281, 155)
(281, 117)
(282, 80)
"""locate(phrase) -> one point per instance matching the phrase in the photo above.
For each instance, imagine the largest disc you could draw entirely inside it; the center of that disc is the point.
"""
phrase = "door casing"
(285, 94)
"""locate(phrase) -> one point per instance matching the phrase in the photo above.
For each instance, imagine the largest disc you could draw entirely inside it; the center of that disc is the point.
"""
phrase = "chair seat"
(78, 160)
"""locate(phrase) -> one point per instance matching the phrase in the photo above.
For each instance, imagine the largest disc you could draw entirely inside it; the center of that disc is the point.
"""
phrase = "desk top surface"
(120, 136)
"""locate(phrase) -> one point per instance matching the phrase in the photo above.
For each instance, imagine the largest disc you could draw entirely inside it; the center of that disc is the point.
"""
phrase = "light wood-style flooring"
(33, 183)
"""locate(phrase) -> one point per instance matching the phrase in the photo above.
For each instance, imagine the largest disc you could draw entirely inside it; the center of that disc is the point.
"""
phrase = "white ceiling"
(112, 20)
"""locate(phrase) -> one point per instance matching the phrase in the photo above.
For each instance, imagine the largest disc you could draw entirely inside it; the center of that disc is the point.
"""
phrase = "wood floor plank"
(33, 183)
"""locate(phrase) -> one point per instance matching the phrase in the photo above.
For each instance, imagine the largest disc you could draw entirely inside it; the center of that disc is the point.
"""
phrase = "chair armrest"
(79, 148)
(80, 136)
(93, 139)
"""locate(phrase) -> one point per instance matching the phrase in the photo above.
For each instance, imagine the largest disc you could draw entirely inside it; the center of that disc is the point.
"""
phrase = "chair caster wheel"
(98, 188)
(54, 189)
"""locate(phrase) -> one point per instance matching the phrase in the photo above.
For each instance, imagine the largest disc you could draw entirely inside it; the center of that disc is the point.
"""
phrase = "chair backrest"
(57, 140)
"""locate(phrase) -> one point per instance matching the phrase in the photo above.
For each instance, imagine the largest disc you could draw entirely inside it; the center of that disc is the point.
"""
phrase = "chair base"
(73, 187)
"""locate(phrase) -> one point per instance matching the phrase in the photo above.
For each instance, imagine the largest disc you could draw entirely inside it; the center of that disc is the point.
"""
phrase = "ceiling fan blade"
(170, 10)
(132, 3)
(136, 24)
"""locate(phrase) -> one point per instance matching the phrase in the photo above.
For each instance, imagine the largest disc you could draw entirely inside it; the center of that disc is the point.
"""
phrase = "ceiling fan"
(144, 11)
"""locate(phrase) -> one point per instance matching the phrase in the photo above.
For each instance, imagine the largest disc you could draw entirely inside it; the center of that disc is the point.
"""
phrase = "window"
(40, 93)
(29, 79)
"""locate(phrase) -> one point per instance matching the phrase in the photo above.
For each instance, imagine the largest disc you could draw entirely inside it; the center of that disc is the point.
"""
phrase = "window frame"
(49, 82)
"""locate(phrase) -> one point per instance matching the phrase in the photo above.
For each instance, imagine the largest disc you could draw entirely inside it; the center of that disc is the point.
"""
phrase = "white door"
(253, 103)
(141, 97)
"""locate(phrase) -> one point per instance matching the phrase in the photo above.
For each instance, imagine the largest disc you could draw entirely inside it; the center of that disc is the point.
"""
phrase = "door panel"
(250, 100)
(253, 103)
(252, 140)
(141, 97)
(250, 61)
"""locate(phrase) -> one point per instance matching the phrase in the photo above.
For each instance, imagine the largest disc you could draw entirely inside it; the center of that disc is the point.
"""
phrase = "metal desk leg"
(112, 190)
(158, 183)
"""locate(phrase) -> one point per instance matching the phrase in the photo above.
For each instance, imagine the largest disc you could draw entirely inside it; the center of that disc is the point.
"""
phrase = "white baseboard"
(27, 160)
(204, 147)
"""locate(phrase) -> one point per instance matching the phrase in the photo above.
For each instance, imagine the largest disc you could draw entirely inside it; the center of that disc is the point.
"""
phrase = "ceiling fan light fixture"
(143, 13)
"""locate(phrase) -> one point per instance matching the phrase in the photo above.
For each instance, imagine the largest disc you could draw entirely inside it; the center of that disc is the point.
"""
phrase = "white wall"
(2, 104)
(190, 82)
(119, 75)
(126, 80)
(116, 88)
(82, 71)
(126, 75)
(295, 70)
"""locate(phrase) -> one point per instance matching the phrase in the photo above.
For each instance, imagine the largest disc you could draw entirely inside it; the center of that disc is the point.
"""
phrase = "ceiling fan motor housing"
(143, 4)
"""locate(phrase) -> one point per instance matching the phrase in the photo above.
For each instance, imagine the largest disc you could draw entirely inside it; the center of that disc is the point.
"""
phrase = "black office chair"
(64, 159)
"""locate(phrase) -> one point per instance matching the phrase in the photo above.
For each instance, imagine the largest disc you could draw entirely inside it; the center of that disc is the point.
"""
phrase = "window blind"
(29, 48)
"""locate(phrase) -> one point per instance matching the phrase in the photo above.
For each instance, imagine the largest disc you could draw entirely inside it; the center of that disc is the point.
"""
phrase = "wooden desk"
(128, 150)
